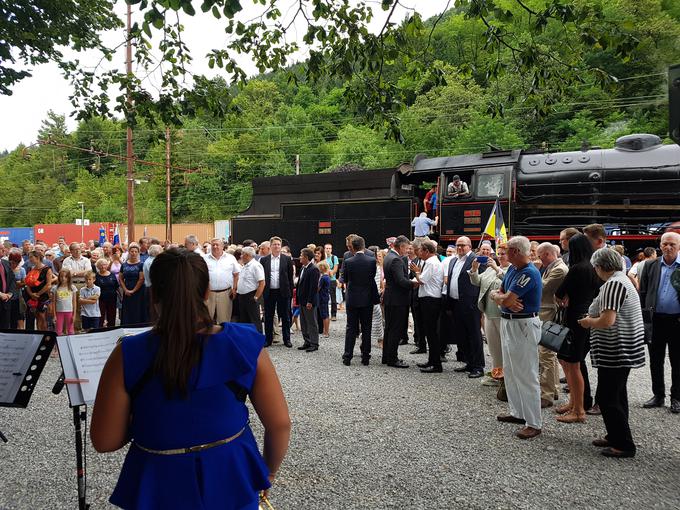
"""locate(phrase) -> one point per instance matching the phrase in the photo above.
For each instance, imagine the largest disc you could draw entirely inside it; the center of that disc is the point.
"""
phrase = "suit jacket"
(467, 292)
(285, 275)
(397, 285)
(345, 257)
(308, 286)
(552, 278)
(649, 284)
(360, 280)
(10, 283)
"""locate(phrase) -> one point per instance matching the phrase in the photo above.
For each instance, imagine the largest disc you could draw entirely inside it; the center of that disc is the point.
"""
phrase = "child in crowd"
(89, 302)
(64, 302)
(296, 311)
(324, 297)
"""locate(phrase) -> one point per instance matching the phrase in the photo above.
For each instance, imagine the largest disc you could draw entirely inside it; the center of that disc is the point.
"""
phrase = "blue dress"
(134, 307)
(229, 476)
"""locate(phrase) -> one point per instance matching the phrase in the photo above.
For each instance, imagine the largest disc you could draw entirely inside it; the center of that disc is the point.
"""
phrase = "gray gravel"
(373, 437)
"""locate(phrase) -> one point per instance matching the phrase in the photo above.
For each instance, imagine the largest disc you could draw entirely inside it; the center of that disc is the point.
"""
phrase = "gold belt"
(191, 449)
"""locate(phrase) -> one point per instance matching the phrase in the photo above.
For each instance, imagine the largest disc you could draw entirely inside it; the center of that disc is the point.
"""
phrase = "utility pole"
(168, 208)
(82, 221)
(130, 161)
(297, 164)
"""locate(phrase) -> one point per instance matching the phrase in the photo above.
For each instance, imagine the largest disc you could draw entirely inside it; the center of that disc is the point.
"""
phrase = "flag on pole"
(496, 226)
(116, 236)
(102, 235)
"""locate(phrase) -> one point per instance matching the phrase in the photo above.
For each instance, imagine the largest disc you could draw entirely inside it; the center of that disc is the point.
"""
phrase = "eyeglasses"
(461, 245)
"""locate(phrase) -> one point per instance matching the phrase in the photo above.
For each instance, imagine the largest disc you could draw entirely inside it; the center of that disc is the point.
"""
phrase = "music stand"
(78, 401)
(23, 355)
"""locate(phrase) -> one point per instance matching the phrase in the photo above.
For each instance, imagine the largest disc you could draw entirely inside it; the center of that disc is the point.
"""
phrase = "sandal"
(572, 418)
(563, 409)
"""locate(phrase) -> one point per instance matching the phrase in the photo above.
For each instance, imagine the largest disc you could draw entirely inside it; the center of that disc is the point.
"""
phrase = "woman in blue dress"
(131, 281)
(177, 394)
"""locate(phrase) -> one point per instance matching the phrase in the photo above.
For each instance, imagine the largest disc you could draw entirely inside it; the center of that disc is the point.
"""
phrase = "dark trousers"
(612, 397)
(428, 315)
(334, 298)
(362, 315)
(108, 310)
(665, 330)
(418, 328)
(249, 310)
(446, 328)
(275, 301)
(466, 317)
(309, 327)
(5, 314)
(396, 324)
(89, 322)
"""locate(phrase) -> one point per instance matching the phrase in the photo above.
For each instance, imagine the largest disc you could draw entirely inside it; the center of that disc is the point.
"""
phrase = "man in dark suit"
(308, 300)
(278, 291)
(461, 299)
(361, 295)
(7, 288)
(660, 298)
(418, 328)
(397, 299)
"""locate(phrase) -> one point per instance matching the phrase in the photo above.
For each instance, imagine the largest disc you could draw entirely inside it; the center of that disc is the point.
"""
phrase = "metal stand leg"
(79, 416)
(2, 437)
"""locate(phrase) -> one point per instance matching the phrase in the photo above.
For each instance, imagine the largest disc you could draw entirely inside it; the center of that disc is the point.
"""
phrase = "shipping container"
(204, 231)
(16, 235)
(223, 229)
(72, 233)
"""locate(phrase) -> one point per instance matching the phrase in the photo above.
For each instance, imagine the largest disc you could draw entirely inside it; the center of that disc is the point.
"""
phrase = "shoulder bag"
(554, 333)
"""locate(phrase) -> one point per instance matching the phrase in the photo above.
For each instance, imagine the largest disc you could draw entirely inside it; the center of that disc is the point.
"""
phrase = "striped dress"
(377, 331)
(622, 344)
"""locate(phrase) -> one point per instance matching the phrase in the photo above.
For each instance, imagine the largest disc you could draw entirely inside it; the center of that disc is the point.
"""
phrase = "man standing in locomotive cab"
(458, 188)
(429, 202)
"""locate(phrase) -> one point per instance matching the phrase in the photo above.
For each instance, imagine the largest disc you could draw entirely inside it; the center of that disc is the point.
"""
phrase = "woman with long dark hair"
(178, 394)
(577, 292)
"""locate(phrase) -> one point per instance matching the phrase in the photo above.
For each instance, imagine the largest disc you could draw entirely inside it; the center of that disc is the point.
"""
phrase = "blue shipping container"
(16, 235)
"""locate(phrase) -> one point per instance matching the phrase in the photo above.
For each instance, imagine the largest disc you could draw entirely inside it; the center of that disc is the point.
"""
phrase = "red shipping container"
(70, 231)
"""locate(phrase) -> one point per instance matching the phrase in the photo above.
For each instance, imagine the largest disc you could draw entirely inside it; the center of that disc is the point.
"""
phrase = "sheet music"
(89, 353)
(16, 354)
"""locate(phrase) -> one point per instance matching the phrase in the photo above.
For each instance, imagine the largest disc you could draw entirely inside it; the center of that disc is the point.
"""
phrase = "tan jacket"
(552, 278)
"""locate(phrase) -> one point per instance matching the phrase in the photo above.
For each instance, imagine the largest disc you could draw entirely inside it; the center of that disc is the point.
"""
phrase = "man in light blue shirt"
(421, 225)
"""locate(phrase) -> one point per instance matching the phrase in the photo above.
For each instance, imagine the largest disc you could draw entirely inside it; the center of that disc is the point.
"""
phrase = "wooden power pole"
(168, 207)
(130, 154)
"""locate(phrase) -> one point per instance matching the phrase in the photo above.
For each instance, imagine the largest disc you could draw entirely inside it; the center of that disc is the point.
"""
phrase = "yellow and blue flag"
(496, 226)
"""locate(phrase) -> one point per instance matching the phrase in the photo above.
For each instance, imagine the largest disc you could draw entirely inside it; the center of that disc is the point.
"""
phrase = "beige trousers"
(220, 306)
(492, 329)
(549, 373)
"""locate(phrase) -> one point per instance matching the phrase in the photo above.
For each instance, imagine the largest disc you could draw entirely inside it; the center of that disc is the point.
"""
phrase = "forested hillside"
(466, 104)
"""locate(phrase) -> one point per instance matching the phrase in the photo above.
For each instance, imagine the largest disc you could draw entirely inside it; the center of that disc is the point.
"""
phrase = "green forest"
(466, 104)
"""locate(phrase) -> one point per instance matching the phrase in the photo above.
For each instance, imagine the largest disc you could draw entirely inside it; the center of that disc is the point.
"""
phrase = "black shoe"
(431, 370)
(423, 365)
(288, 344)
(364, 362)
(508, 418)
(418, 351)
(398, 364)
(346, 361)
(463, 369)
(403, 341)
(675, 406)
(617, 454)
(654, 402)
(267, 344)
(304, 347)
(312, 348)
(476, 374)
(443, 358)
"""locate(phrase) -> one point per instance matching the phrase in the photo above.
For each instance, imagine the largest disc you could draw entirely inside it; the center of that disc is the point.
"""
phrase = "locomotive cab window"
(459, 186)
(490, 185)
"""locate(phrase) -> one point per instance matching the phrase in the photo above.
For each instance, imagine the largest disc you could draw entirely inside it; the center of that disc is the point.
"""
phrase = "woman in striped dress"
(616, 346)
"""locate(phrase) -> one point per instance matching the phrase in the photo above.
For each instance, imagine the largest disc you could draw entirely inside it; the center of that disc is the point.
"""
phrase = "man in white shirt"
(78, 266)
(430, 280)
(191, 243)
(278, 291)
(224, 274)
(250, 288)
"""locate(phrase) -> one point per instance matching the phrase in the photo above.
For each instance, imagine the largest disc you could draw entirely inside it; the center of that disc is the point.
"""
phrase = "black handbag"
(554, 333)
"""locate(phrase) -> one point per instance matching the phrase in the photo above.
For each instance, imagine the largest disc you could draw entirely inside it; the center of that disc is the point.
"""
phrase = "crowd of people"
(458, 295)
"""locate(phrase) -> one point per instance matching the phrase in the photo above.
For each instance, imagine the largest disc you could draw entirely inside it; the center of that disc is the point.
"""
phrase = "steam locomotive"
(633, 189)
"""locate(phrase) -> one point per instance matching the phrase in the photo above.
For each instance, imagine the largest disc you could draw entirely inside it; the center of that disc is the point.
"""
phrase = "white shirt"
(431, 278)
(250, 277)
(457, 268)
(222, 270)
(274, 274)
(445, 271)
(77, 265)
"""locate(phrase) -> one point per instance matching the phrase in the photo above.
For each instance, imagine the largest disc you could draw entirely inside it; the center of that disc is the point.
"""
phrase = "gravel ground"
(377, 437)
